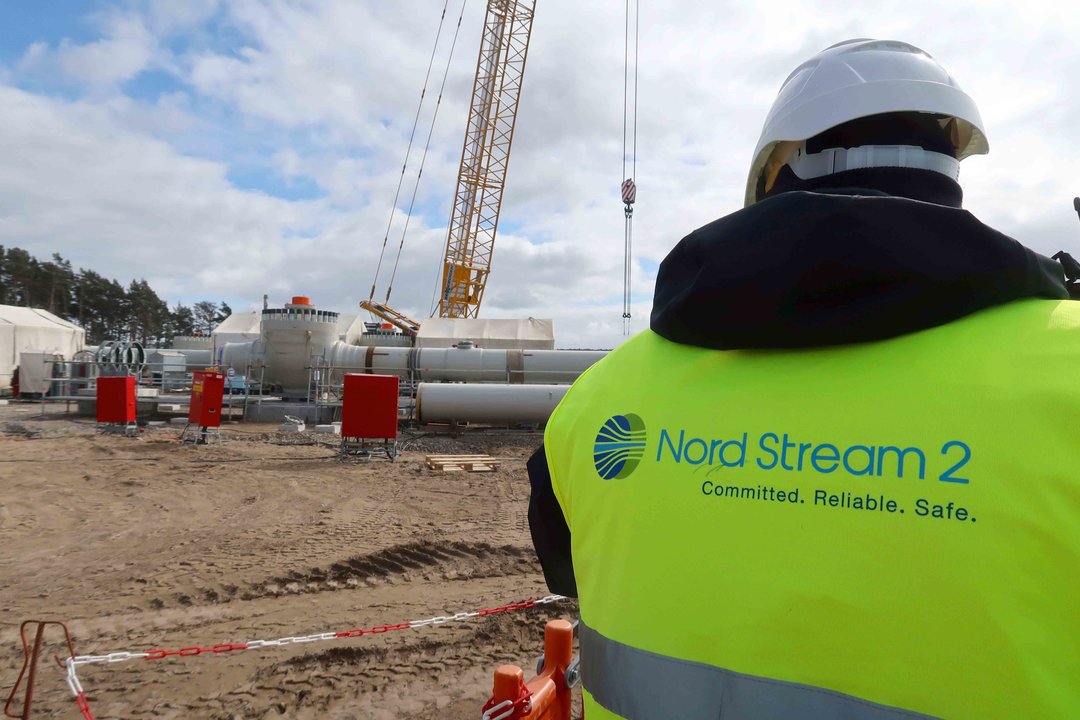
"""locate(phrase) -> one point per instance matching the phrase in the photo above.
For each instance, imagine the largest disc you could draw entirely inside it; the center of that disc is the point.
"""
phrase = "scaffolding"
(157, 384)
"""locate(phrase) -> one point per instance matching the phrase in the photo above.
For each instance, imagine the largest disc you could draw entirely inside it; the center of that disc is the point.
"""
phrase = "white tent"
(24, 329)
(524, 334)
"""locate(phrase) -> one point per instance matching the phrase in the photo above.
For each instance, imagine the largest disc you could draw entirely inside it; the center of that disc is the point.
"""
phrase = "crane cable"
(408, 151)
(629, 188)
(427, 145)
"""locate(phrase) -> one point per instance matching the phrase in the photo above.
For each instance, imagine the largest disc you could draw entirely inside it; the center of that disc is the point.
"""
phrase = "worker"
(836, 478)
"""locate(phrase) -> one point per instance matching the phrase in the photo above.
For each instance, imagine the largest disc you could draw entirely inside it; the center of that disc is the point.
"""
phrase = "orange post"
(545, 697)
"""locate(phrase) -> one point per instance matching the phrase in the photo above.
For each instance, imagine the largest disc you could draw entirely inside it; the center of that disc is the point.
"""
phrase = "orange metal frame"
(549, 692)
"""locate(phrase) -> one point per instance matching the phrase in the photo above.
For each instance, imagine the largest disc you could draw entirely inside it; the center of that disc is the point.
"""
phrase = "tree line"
(102, 306)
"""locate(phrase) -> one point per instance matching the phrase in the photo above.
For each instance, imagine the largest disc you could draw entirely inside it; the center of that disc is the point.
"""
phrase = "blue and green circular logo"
(619, 446)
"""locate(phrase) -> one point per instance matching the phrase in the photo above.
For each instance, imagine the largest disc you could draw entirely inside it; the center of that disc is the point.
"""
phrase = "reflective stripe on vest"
(641, 685)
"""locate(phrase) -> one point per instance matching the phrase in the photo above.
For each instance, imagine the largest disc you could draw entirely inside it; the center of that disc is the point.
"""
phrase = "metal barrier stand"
(548, 695)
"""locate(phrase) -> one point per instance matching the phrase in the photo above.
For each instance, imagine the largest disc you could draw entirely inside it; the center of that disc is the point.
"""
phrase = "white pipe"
(555, 366)
(239, 356)
(464, 364)
(496, 404)
(196, 358)
(472, 365)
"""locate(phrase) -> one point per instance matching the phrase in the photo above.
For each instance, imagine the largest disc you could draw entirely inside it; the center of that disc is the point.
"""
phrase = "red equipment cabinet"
(116, 399)
(369, 408)
(207, 389)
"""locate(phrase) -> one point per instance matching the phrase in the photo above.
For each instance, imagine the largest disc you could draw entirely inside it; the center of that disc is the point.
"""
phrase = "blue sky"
(28, 22)
(227, 150)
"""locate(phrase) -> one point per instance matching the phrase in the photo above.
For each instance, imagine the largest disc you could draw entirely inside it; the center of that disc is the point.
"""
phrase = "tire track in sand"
(423, 560)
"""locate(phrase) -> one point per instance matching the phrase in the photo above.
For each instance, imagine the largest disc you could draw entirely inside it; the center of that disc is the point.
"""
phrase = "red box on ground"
(207, 389)
(116, 399)
(369, 408)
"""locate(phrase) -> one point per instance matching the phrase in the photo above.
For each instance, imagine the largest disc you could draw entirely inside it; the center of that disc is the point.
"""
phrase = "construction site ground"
(140, 543)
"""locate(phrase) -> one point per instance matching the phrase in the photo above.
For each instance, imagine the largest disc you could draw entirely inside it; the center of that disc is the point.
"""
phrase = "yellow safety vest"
(885, 530)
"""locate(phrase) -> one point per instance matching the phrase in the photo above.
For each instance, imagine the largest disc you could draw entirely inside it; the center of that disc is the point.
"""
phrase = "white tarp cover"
(237, 328)
(24, 329)
(500, 334)
(350, 328)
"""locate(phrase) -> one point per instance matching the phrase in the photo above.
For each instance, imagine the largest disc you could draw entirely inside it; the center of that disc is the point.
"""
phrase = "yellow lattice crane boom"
(489, 133)
(485, 155)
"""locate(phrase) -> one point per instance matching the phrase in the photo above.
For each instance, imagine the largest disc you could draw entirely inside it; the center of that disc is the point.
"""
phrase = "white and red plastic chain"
(159, 654)
(76, 689)
(509, 709)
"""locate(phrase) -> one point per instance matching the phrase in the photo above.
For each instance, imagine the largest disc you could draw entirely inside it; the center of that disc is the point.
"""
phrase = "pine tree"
(148, 314)
(54, 286)
(181, 322)
(101, 306)
(206, 314)
(21, 269)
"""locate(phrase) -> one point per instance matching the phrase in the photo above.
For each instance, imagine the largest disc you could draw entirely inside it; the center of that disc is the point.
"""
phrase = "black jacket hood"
(837, 266)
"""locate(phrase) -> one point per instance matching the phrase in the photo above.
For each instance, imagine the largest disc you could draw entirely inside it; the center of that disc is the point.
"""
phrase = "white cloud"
(33, 57)
(170, 16)
(129, 206)
(125, 51)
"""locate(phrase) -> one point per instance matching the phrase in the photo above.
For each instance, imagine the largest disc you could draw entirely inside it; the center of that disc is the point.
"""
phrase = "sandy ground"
(141, 543)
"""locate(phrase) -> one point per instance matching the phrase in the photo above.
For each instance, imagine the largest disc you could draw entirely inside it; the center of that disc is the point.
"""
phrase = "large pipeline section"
(460, 364)
(464, 364)
(495, 404)
(298, 339)
(197, 358)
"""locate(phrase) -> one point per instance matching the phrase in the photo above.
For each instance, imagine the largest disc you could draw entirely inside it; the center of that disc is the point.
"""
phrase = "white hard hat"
(856, 79)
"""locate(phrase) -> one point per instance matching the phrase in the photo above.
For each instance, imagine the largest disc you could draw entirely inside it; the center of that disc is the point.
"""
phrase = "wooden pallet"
(462, 463)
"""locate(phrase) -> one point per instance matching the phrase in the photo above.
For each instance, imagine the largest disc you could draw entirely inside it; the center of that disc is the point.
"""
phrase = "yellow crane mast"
(500, 69)
(489, 133)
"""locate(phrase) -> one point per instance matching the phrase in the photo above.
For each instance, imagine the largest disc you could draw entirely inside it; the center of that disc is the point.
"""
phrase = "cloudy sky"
(227, 149)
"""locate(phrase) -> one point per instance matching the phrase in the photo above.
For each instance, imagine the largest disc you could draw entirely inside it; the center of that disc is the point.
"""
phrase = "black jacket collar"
(836, 266)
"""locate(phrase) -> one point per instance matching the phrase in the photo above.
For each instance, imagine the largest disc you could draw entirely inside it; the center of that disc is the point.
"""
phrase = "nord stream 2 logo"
(619, 446)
